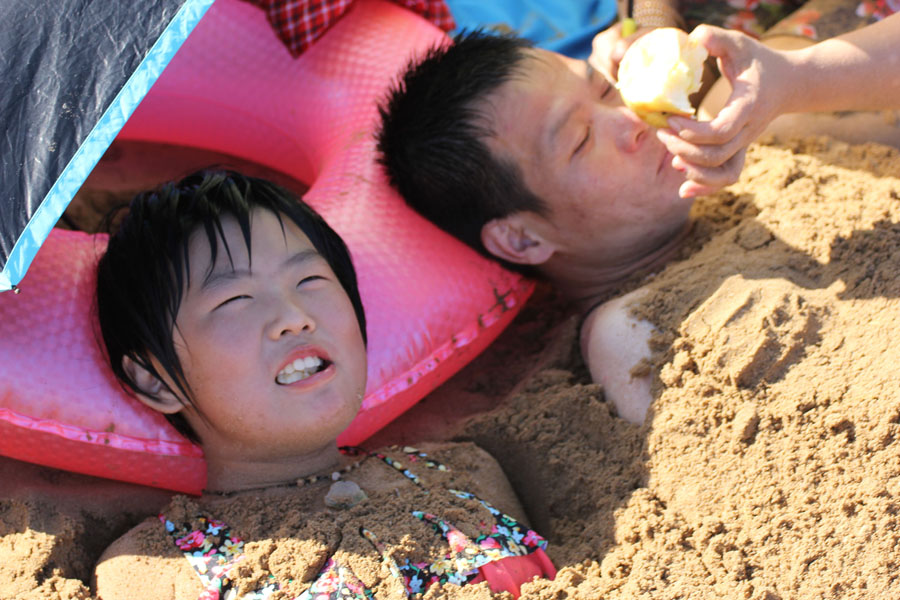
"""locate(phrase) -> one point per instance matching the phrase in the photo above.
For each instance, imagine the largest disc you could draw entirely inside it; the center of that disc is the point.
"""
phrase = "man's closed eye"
(583, 142)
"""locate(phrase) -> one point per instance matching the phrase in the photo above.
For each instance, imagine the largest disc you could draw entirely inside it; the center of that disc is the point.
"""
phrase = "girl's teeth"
(287, 378)
(308, 363)
(299, 369)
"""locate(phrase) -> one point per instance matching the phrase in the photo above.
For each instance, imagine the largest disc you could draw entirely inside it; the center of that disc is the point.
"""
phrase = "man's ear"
(512, 239)
(152, 392)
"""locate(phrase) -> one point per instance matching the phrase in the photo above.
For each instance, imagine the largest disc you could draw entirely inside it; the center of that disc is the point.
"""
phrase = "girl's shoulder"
(144, 563)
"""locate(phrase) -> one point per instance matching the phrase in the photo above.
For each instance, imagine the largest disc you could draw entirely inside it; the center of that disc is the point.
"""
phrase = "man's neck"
(587, 282)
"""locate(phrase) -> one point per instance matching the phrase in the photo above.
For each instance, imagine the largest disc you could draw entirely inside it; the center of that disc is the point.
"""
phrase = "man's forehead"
(518, 110)
(538, 65)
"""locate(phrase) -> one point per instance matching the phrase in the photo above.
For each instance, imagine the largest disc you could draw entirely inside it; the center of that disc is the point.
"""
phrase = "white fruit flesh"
(658, 73)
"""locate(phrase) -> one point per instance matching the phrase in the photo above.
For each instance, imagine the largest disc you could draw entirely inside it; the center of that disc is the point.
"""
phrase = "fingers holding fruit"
(706, 180)
(749, 68)
(609, 46)
(707, 167)
(697, 143)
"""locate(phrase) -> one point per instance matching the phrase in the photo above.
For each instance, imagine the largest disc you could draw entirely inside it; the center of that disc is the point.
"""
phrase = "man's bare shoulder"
(614, 346)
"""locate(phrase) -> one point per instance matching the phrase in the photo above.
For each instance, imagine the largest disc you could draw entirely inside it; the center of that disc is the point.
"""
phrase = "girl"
(231, 307)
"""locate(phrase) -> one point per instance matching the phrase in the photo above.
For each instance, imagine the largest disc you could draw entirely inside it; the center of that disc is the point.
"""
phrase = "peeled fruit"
(658, 73)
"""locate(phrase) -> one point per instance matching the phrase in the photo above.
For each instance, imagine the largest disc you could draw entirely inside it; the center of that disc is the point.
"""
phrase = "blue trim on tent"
(99, 139)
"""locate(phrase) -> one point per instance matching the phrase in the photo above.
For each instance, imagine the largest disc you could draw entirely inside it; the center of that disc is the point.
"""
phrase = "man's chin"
(664, 245)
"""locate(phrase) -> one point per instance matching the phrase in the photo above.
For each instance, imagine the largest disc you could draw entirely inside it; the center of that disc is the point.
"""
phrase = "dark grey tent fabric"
(72, 73)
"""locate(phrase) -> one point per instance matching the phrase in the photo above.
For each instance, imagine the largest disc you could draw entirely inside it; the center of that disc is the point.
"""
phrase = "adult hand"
(608, 48)
(711, 153)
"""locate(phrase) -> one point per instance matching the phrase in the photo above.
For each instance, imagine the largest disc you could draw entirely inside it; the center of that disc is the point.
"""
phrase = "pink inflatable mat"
(432, 304)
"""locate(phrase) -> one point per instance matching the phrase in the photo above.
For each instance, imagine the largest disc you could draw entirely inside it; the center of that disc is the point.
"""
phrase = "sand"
(768, 468)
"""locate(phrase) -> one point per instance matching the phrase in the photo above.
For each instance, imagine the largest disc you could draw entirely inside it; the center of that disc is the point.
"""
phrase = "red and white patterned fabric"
(299, 23)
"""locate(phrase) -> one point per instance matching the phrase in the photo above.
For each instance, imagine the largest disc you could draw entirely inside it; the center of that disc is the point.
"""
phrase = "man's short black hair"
(433, 130)
(142, 277)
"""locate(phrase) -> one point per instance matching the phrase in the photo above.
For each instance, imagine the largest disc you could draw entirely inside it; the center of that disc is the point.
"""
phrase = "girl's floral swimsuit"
(213, 551)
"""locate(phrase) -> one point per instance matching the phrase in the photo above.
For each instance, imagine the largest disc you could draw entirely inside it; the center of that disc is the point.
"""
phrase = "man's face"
(607, 181)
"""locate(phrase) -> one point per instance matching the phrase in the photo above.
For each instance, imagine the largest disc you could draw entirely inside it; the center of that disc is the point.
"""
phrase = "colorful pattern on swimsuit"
(506, 538)
(212, 550)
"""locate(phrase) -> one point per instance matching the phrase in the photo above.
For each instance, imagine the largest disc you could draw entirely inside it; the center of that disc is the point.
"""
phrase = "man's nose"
(632, 132)
(289, 316)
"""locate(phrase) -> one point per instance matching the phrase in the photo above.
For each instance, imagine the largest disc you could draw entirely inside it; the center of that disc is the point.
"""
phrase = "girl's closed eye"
(310, 279)
(232, 300)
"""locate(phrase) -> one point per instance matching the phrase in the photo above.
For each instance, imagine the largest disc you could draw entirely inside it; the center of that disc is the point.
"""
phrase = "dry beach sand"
(769, 467)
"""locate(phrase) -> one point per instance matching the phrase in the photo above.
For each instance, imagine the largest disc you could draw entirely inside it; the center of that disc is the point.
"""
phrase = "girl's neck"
(236, 473)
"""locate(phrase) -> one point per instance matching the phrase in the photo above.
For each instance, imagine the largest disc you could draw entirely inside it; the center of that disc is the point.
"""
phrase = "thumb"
(619, 51)
(723, 44)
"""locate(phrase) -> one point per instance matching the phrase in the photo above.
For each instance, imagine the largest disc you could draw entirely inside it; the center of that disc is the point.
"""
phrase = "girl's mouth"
(301, 368)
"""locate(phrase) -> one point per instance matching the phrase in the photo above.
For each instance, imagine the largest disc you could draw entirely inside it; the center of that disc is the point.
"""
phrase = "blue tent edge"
(99, 139)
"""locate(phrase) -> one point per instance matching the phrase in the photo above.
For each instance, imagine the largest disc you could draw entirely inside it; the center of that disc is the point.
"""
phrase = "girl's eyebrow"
(221, 276)
(304, 256)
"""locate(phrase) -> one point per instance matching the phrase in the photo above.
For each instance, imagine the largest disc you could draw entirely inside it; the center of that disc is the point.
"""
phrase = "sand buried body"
(757, 456)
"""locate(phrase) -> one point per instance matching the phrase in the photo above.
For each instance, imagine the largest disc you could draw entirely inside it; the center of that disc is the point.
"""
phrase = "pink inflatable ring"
(432, 304)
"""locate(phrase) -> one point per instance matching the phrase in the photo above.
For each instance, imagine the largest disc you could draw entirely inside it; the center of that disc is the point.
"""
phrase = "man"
(532, 158)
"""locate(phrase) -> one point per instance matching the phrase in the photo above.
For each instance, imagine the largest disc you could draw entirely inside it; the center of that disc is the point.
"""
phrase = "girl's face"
(272, 351)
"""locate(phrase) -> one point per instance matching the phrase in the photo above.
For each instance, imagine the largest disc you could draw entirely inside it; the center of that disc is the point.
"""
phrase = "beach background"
(768, 467)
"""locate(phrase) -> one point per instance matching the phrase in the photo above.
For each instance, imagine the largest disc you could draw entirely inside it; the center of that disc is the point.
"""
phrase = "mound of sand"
(769, 467)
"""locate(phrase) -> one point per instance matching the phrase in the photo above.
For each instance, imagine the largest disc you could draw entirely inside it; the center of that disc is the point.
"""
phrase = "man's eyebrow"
(592, 74)
(559, 123)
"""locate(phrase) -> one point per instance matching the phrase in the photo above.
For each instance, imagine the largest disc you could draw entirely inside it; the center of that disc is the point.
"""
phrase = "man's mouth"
(666, 159)
(300, 369)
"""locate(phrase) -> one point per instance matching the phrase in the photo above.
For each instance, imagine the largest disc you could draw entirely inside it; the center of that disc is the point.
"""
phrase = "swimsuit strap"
(386, 558)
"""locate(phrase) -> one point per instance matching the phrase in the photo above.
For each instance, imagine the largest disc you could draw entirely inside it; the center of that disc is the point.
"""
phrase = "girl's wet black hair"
(142, 278)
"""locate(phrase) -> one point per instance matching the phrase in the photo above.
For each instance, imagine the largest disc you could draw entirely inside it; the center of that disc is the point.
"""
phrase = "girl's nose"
(290, 318)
